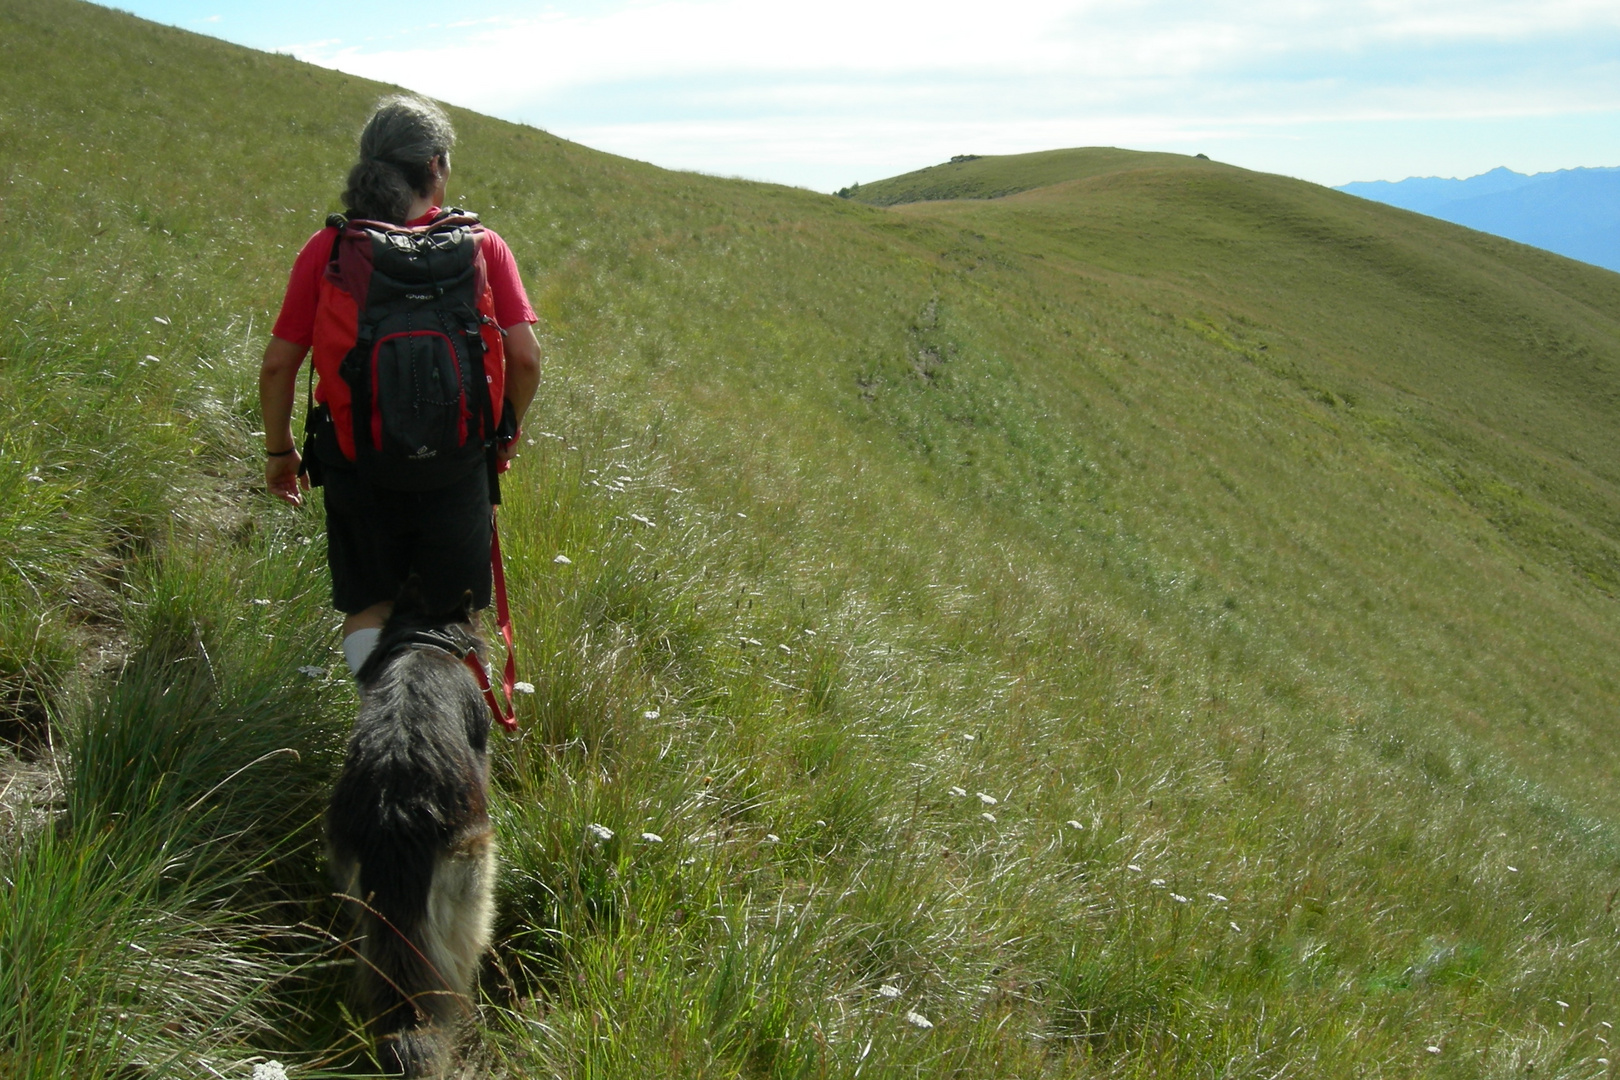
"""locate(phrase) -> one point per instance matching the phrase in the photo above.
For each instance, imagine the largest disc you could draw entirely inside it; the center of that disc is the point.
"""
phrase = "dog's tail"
(417, 983)
(414, 1009)
(413, 977)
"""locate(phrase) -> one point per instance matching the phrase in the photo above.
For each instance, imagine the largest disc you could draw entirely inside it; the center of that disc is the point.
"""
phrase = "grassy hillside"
(978, 176)
(1411, 361)
(1158, 623)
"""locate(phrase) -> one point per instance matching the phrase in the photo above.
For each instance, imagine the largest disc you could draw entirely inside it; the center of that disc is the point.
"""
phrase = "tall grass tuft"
(118, 960)
(166, 920)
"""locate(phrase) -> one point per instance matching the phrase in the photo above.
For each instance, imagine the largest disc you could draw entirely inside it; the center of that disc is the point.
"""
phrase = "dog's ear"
(465, 610)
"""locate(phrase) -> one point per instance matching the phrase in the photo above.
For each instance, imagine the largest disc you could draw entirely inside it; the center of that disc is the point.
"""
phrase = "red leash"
(503, 620)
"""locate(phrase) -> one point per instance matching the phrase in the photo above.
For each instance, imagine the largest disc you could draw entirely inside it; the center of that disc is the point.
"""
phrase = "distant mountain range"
(1574, 212)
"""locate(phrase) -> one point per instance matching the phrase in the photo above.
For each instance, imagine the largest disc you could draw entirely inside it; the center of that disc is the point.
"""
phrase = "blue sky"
(827, 93)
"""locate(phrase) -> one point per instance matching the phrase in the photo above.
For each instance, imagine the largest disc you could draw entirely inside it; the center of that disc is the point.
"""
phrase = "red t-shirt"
(296, 323)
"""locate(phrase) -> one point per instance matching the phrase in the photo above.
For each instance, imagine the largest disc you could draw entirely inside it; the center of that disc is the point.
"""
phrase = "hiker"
(427, 512)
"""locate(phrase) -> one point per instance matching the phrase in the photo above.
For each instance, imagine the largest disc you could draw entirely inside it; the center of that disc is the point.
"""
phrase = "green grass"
(1252, 546)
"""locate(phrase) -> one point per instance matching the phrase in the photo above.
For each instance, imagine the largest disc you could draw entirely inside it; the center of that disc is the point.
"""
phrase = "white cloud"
(667, 38)
(786, 90)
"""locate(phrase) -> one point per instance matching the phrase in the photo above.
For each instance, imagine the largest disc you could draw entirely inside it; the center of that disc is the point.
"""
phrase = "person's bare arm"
(522, 375)
(278, 389)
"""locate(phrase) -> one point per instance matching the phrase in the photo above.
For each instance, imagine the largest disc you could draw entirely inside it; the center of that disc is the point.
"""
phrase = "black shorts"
(376, 538)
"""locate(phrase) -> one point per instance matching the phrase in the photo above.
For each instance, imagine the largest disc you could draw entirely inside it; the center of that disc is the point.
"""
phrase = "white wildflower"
(260, 603)
(652, 838)
(270, 1070)
(1561, 1004)
(312, 671)
(600, 832)
(772, 838)
(1434, 1049)
(1076, 825)
(1513, 869)
(1133, 866)
(563, 560)
(988, 816)
(750, 641)
(1217, 897)
(917, 1019)
(959, 792)
(785, 649)
(888, 991)
(1178, 898)
(651, 714)
(1235, 927)
(968, 738)
(1157, 881)
(523, 687)
(988, 800)
(165, 322)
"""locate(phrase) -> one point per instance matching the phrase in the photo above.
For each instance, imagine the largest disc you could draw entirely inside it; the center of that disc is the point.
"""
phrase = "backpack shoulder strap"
(338, 222)
(454, 217)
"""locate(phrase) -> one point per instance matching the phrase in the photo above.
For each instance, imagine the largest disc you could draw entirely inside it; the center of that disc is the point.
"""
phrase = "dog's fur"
(411, 842)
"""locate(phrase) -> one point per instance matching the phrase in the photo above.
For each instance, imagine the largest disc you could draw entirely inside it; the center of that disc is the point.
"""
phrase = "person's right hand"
(281, 477)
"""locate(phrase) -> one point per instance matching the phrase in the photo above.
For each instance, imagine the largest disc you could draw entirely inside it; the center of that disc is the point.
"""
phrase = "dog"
(409, 834)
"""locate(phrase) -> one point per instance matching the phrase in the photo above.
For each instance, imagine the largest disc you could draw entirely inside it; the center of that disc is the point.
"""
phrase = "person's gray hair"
(403, 136)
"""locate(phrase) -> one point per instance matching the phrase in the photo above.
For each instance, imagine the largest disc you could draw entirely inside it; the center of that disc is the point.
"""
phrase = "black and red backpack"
(409, 355)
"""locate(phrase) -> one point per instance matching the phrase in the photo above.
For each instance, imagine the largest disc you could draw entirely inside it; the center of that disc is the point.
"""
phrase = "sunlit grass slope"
(1333, 363)
(1158, 623)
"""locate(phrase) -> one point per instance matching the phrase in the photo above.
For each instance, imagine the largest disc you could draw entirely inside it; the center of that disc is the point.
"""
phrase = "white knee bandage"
(358, 645)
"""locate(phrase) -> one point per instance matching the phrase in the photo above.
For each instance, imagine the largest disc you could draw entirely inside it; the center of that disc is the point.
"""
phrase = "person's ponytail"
(402, 137)
(378, 191)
